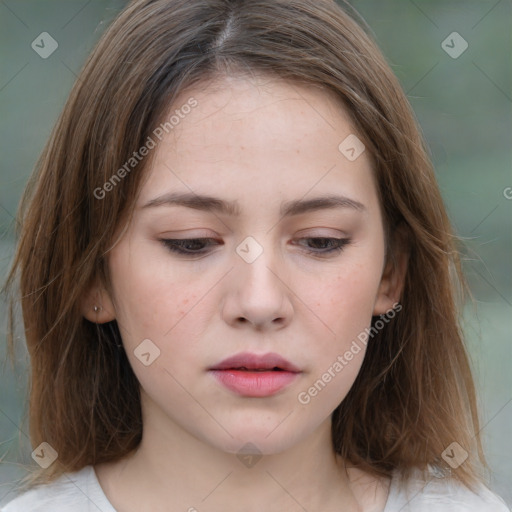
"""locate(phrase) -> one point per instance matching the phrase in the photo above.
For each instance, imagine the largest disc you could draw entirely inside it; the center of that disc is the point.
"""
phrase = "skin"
(261, 142)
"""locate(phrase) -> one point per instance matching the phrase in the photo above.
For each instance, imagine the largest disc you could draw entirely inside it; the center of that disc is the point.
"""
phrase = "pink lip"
(264, 375)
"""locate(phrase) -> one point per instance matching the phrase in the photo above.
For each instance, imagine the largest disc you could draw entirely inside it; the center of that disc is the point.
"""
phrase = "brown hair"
(414, 394)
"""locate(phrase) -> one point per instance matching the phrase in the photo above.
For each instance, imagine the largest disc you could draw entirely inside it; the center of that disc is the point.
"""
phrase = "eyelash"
(177, 245)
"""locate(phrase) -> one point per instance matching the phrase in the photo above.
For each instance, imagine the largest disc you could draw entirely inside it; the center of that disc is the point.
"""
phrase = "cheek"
(150, 301)
(344, 304)
(345, 301)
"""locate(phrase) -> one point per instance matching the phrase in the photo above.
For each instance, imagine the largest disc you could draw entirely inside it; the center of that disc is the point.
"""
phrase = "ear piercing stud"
(97, 309)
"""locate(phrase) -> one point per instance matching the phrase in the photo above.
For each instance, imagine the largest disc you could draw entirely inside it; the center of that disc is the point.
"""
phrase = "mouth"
(249, 362)
(257, 376)
(244, 369)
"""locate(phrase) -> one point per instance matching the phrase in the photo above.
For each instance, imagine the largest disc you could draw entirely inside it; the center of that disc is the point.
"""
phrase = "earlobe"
(97, 306)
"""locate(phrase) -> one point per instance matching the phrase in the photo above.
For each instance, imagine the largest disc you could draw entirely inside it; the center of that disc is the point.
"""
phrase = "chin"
(261, 440)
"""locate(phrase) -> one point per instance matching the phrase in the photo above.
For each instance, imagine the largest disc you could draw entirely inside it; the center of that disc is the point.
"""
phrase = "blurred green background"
(463, 104)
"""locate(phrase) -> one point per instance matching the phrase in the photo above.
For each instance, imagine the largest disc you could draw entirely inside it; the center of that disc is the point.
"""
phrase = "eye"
(199, 246)
(325, 245)
(188, 246)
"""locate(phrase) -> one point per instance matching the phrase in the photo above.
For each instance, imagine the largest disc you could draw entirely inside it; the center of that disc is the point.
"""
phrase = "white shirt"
(81, 492)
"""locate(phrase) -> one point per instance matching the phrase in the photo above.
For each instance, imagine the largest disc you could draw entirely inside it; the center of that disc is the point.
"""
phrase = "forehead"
(257, 136)
(230, 102)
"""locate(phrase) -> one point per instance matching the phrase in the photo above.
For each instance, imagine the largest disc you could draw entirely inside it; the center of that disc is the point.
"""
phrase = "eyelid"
(188, 234)
(322, 232)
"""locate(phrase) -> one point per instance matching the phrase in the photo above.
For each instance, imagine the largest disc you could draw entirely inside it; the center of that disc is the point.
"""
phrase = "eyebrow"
(288, 208)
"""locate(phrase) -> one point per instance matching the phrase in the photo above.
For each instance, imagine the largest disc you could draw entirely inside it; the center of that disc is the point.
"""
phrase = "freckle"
(185, 301)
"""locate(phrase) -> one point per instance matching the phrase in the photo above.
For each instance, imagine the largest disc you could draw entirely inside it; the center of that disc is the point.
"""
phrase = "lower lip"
(255, 384)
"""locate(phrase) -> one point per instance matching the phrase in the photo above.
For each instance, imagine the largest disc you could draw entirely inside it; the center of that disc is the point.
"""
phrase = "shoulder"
(422, 493)
(78, 491)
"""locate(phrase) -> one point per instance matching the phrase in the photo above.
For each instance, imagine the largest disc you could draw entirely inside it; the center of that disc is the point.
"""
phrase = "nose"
(258, 296)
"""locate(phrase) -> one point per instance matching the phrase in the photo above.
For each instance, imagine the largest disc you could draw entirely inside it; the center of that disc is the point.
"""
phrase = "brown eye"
(188, 246)
(325, 245)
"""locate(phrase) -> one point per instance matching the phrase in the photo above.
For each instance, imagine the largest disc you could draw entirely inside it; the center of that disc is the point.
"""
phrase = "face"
(254, 237)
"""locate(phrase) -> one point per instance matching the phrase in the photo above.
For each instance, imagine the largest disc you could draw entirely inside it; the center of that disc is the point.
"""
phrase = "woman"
(238, 277)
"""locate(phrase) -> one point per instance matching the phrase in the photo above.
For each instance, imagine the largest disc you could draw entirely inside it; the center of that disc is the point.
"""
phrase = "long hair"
(414, 395)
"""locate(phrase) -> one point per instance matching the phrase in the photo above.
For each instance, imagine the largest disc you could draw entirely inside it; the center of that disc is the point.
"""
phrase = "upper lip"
(256, 362)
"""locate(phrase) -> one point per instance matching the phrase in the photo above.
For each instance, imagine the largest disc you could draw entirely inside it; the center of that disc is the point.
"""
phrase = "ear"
(393, 276)
(97, 306)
